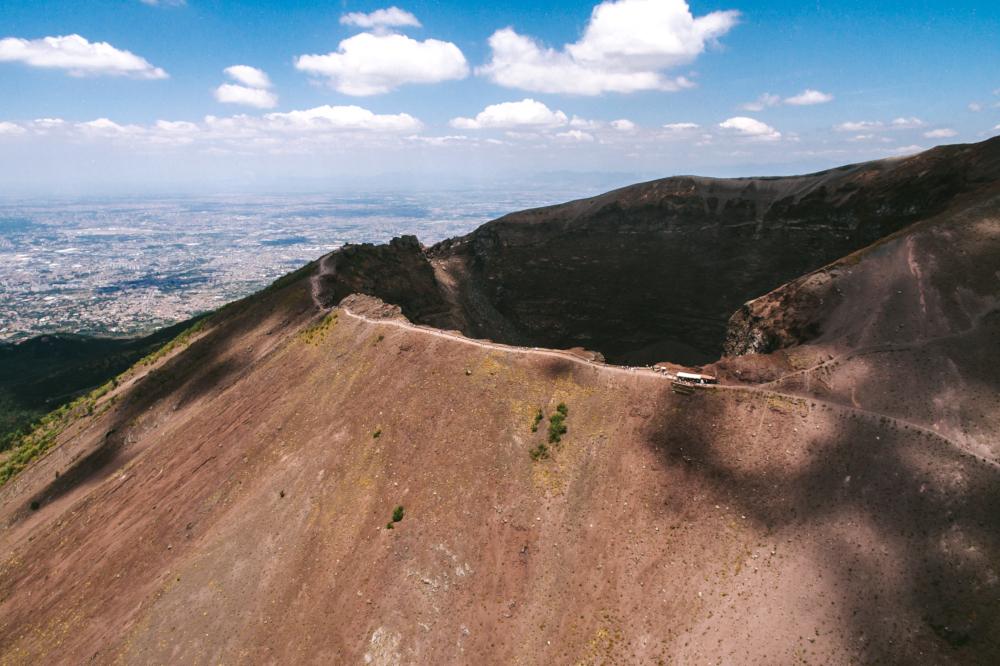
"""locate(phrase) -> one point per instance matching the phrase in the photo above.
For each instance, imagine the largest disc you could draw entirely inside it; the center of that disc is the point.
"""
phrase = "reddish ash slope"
(229, 504)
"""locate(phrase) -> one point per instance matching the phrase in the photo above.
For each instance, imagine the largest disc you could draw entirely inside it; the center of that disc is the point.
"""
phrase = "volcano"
(449, 454)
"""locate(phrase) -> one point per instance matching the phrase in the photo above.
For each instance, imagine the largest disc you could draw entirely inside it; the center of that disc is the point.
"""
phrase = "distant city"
(121, 267)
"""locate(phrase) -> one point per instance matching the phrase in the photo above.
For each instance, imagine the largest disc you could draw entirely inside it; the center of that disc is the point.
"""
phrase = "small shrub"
(562, 409)
(35, 505)
(388, 526)
(377, 433)
(556, 427)
(538, 419)
(397, 514)
(540, 452)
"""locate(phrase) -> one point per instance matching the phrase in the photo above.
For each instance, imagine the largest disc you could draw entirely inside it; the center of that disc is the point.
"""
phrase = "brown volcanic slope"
(229, 502)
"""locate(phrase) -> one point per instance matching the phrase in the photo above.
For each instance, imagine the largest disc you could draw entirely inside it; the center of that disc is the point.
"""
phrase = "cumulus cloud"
(625, 47)
(750, 128)
(351, 117)
(251, 88)
(389, 17)
(584, 123)
(108, 127)
(943, 133)
(248, 76)
(372, 64)
(526, 113)
(10, 129)
(623, 125)
(805, 98)
(860, 126)
(809, 97)
(78, 57)
(229, 93)
(907, 150)
(300, 131)
(576, 135)
(681, 127)
(764, 101)
(877, 125)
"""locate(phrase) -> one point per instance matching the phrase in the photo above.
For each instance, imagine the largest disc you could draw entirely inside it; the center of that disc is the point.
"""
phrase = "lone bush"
(557, 427)
(397, 514)
(538, 419)
(540, 452)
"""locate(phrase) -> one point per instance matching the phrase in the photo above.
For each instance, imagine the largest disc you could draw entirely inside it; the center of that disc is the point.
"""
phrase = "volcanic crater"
(653, 271)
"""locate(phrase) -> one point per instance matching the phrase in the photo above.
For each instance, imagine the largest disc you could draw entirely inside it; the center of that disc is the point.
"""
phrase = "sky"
(163, 96)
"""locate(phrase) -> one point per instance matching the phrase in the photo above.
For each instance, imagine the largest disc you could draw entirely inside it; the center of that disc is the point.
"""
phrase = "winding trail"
(649, 373)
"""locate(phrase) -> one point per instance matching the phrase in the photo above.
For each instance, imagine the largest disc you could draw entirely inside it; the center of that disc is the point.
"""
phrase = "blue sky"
(136, 96)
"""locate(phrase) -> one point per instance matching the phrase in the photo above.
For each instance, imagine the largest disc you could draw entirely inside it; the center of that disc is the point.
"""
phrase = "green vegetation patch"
(29, 445)
(557, 425)
(32, 441)
(182, 340)
(538, 419)
(313, 335)
(557, 428)
(397, 515)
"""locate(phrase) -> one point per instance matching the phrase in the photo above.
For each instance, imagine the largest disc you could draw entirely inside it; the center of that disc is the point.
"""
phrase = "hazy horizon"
(183, 96)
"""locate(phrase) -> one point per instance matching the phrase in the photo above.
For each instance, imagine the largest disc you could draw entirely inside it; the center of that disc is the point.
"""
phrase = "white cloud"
(750, 128)
(229, 93)
(526, 113)
(576, 135)
(107, 127)
(341, 118)
(997, 128)
(877, 125)
(371, 64)
(681, 127)
(975, 107)
(45, 125)
(623, 125)
(942, 133)
(248, 76)
(860, 126)
(78, 57)
(625, 48)
(584, 123)
(809, 97)
(176, 126)
(448, 140)
(251, 90)
(764, 101)
(907, 150)
(390, 17)
(870, 137)
(10, 129)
